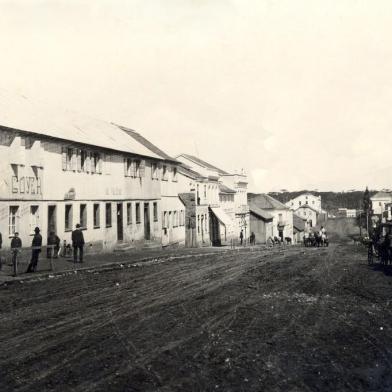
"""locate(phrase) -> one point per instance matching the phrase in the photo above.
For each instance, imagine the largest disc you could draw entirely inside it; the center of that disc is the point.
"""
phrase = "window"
(108, 214)
(307, 202)
(139, 168)
(164, 173)
(34, 218)
(129, 213)
(169, 221)
(198, 223)
(174, 174)
(68, 217)
(96, 216)
(83, 216)
(96, 163)
(155, 211)
(69, 158)
(13, 220)
(175, 223)
(138, 213)
(83, 160)
(154, 171)
(205, 191)
(299, 202)
(164, 218)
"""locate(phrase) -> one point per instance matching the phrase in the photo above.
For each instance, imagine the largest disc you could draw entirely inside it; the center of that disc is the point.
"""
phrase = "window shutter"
(88, 162)
(133, 168)
(152, 170)
(79, 160)
(142, 168)
(100, 164)
(64, 157)
(93, 162)
(74, 159)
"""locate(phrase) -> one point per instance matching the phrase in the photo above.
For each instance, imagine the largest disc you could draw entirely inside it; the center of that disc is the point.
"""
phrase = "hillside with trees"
(331, 201)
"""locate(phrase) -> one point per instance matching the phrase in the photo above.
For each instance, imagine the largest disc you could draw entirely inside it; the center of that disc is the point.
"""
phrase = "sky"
(297, 93)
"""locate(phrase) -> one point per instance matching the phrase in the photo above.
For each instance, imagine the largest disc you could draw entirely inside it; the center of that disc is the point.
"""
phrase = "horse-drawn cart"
(379, 245)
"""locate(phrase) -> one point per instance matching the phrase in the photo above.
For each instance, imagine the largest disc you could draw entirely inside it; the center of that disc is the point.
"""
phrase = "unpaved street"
(294, 319)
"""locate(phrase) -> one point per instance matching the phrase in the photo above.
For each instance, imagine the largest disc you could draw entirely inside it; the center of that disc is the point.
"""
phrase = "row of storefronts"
(117, 185)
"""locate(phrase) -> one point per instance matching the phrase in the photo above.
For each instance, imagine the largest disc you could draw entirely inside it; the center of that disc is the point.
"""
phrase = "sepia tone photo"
(195, 195)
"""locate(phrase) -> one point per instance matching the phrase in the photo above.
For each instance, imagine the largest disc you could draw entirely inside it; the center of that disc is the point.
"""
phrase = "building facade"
(60, 168)
(305, 199)
(227, 200)
(282, 216)
(380, 201)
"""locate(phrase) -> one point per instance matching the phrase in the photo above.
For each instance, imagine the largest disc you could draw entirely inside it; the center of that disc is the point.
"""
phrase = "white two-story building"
(59, 168)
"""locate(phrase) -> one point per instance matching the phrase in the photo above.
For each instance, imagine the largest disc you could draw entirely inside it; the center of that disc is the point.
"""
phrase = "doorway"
(120, 233)
(146, 221)
(52, 221)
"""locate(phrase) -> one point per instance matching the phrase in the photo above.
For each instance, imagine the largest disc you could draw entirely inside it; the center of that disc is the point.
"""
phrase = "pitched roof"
(146, 143)
(202, 163)
(264, 201)
(308, 206)
(382, 195)
(23, 114)
(187, 171)
(260, 212)
(298, 222)
(225, 189)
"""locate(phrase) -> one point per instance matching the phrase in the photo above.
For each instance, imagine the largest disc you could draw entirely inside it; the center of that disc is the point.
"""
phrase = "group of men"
(252, 238)
(53, 247)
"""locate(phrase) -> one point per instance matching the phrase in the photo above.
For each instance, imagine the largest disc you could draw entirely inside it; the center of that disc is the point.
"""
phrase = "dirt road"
(297, 319)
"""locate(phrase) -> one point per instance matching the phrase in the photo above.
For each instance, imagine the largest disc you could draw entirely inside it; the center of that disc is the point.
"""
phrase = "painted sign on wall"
(26, 185)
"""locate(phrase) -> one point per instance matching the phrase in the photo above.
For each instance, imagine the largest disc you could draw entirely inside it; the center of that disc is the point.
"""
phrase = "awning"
(222, 216)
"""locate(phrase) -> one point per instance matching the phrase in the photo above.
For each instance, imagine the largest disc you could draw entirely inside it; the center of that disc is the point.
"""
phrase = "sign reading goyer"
(26, 185)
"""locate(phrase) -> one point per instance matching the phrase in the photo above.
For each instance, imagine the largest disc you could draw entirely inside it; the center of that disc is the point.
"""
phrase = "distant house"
(379, 202)
(309, 214)
(299, 225)
(282, 216)
(307, 199)
(308, 206)
(261, 222)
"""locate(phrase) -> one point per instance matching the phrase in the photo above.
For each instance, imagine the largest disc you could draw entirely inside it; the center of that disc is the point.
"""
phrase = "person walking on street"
(78, 244)
(36, 245)
(53, 245)
(241, 237)
(16, 246)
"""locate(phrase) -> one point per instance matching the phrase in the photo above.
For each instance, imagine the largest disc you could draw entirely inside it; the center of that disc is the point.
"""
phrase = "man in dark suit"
(36, 245)
(78, 244)
(16, 246)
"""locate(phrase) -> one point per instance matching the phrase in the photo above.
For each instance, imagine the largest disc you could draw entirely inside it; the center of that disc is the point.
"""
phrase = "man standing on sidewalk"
(35, 251)
(241, 237)
(78, 244)
(16, 246)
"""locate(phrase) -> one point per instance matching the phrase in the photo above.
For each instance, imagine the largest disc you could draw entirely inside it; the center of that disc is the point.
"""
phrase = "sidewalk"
(100, 260)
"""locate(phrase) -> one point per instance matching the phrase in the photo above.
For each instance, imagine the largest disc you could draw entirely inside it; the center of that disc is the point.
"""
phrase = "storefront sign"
(26, 185)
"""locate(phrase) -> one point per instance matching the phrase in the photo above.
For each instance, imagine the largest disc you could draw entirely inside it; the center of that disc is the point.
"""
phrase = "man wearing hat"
(77, 244)
(16, 246)
(35, 250)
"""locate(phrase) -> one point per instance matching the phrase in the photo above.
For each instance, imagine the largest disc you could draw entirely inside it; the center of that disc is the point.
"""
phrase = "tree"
(367, 206)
